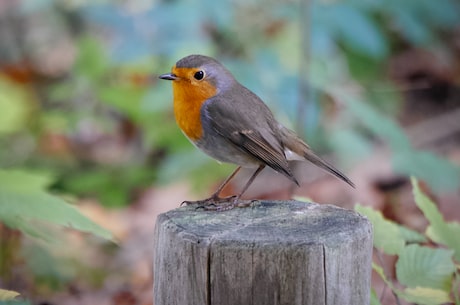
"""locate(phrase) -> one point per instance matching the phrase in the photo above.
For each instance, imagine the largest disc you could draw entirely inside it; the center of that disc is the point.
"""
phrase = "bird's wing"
(247, 123)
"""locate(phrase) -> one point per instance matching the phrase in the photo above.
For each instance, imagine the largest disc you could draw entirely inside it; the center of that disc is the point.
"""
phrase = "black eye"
(199, 75)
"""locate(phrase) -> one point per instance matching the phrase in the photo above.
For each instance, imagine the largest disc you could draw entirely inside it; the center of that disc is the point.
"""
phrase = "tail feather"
(310, 156)
(299, 147)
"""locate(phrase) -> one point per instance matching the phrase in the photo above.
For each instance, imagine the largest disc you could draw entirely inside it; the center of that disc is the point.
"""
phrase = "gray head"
(200, 67)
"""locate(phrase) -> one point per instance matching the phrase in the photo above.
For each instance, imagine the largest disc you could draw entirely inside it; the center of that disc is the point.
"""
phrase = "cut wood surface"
(276, 252)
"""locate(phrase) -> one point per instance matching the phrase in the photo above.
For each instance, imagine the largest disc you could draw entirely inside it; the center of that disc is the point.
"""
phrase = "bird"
(232, 124)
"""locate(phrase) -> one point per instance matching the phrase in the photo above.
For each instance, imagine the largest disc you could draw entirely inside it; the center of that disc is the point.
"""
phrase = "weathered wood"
(283, 252)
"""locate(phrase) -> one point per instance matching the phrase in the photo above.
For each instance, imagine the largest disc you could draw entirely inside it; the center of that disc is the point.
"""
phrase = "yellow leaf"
(425, 296)
(7, 295)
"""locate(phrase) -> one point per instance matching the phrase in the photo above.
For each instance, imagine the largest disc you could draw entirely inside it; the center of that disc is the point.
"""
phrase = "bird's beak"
(168, 76)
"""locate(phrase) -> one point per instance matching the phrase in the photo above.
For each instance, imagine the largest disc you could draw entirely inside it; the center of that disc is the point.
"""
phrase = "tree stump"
(276, 252)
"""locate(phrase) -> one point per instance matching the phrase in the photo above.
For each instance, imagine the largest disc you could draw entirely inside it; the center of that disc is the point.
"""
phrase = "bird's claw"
(215, 203)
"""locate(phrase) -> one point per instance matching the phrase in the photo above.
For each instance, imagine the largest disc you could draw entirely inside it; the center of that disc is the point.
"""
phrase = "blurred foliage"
(109, 90)
(428, 273)
(24, 203)
(439, 173)
(99, 123)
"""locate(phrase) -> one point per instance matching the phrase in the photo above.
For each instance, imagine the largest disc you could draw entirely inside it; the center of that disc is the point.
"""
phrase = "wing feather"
(251, 131)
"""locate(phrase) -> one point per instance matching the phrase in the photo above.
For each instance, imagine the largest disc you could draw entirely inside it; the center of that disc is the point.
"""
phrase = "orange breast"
(189, 96)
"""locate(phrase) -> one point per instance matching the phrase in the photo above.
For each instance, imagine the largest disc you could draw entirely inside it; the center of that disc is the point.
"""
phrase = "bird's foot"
(213, 200)
(216, 203)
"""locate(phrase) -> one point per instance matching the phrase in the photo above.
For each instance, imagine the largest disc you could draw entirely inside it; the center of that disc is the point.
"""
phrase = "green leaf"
(360, 32)
(23, 200)
(14, 105)
(444, 14)
(455, 285)
(378, 123)
(24, 181)
(412, 28)
(411, 236)
(374, 298)
(379, 270)
(363, 68)
(111, 185)
(91, 61)
(54, 271)
(439, 230)
(349, 145)
(125, 98)
(424, 296)
(418, 295)
(7, 295)
(419, 266)
(439, 173)
(353, 26)
(387, 234)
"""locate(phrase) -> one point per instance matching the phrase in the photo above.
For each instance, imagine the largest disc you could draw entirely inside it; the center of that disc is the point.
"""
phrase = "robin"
(232, 124)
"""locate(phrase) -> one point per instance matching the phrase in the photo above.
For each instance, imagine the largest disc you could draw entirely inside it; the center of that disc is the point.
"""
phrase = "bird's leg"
(216, 194)
(236, 202)
(215, 199)
(250, 181)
